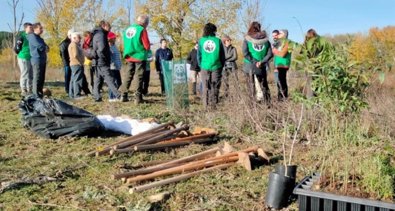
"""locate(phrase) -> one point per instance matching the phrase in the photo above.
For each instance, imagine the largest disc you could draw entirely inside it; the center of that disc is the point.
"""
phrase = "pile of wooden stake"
(161, 137)
(187, 167)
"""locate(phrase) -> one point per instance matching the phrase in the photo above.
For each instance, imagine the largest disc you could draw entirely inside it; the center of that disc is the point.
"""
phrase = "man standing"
(136, 46)
(64, 55)
(102, 61)
(24, 60)
(38, 52)
(162, 54)
(195, 69)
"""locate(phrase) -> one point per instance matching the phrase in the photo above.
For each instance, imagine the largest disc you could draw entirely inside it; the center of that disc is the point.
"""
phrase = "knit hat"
(111, 35)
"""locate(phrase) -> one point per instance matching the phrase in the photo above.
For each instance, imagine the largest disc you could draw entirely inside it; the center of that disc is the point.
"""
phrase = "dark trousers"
(262, 83)
(211, 81)
(117, 82)
(85, 86)
(92, 71)
(38, 78)
(103, 73)
(146, 79)
(131, 69)
(282, 85)
(67, 79)
(226, 75)
(162, 82)
(76, 81)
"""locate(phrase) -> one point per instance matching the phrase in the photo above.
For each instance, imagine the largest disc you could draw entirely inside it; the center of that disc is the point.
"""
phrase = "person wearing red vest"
(136, 46)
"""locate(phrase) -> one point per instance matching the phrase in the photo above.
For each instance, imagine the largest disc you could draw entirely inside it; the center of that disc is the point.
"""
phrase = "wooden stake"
(190, 138)
(168, 164)
(169, 145)
(177, 178)
(183, 168)
(164, 135)
(160, 127)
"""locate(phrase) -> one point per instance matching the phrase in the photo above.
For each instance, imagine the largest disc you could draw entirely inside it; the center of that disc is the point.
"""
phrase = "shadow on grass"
(47, 83)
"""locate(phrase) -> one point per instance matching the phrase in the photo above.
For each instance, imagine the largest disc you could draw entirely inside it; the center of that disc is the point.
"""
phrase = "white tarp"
(125, 125)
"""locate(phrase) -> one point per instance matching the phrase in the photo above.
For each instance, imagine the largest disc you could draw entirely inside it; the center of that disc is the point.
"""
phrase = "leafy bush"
(338, 83)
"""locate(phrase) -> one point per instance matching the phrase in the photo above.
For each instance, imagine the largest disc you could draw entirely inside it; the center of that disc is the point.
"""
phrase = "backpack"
(18, 45)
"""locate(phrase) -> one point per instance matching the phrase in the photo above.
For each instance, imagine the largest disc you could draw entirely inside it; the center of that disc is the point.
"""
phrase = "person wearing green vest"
(257, 52)
(24, 63)
(136, 45)
(211, 60)
(282, 61)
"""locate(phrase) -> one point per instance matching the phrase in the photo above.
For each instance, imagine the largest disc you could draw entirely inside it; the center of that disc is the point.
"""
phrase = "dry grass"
(86, 181)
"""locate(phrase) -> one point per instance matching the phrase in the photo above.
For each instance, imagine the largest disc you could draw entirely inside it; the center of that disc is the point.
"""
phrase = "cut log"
(184, 168)
(177, 178)
(244, 160)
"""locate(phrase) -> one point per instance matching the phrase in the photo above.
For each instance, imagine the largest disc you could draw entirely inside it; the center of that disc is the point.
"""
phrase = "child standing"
(116, 64)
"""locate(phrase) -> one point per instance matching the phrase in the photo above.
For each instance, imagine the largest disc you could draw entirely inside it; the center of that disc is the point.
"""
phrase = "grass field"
(85, 183)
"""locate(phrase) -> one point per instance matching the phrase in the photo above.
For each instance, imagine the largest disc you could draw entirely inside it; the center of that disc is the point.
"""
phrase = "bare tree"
(16, 26)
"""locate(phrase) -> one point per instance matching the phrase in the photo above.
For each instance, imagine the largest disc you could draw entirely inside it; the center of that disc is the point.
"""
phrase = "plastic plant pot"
(279, 190)
(291, 170)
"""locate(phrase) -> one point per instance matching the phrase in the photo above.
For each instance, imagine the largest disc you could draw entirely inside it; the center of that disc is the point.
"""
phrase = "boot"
(124, 98)
(138, 99)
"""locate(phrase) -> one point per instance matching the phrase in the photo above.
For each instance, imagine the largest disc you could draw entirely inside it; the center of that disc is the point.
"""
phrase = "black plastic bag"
(53, 118)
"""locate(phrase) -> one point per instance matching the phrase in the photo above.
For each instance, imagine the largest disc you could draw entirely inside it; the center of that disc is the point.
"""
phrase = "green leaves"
(338, 83)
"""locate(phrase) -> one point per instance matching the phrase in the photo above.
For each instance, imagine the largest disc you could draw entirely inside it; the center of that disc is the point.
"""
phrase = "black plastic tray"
(316, 201)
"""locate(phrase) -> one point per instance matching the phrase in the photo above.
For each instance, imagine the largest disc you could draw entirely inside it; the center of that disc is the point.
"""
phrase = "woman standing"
(230, 62)
(257, 52)
(211, 59)
(282, 61)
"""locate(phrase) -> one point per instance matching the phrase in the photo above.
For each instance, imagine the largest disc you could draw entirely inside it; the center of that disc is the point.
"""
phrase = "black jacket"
(64, 51)
(101, 48)
(192, 60)
(162, 54)
(230, 57)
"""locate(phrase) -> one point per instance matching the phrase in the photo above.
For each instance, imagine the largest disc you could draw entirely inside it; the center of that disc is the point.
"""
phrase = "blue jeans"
(117, 82)
(67, 78)
(76, 81)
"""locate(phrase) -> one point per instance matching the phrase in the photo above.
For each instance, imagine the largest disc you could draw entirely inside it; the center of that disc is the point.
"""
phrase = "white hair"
(143, 19)
(69, 32)
(75, 34)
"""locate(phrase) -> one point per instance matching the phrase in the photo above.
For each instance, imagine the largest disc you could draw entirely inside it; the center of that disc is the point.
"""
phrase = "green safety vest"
(132, 45)
(25, 51)
(286, 60)
(209, 49)
(258, 52)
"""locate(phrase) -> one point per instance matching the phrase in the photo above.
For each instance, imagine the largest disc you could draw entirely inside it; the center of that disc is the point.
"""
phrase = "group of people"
(32, 58)
(212, 59)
